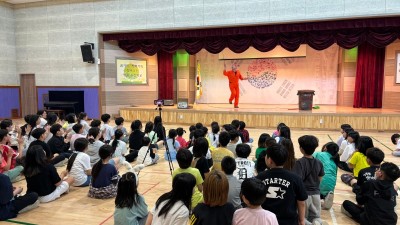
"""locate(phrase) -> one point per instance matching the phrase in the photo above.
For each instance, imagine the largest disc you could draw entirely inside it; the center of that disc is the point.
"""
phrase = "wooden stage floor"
(76, 208)
(327, 117)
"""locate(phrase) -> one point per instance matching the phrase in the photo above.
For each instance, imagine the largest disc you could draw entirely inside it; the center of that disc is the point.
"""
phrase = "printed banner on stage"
(131, 71)
(272, 80)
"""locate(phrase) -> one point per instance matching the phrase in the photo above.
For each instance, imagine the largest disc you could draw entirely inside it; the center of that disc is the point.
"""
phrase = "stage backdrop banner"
(272, 80)
(131, 71)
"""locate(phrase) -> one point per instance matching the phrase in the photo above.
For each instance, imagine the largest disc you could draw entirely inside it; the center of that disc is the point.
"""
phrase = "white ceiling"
(21, 1)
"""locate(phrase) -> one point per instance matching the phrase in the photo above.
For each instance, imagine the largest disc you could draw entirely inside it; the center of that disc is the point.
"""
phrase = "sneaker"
(127, 165)
(346, 178)
(29, 207)
(18, 178)
(137, 168)
(318, 221)
(344, 211)
(328, 201)
(236, 107)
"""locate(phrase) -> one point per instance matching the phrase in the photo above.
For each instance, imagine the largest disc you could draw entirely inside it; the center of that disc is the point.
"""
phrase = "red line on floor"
(150, 188)
(106, 219)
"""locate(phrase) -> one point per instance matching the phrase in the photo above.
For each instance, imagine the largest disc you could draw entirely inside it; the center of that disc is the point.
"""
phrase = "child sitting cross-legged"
(378, 198)
(42, 177)
(104, 176)
(253, 195)
(147, 155)
(78, 165)
(10, 203)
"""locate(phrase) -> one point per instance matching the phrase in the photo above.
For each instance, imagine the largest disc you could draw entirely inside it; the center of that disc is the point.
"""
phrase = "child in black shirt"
(378, 197)
(286, 192)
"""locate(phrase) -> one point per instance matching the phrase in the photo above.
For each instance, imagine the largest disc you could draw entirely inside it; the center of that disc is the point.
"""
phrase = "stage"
(328, 117)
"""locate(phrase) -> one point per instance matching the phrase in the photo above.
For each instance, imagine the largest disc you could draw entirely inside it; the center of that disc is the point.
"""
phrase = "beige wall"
(8, 69)
(48, 34)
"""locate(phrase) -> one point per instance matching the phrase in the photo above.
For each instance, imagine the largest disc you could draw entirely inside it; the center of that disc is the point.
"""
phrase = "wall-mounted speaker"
(87, 55)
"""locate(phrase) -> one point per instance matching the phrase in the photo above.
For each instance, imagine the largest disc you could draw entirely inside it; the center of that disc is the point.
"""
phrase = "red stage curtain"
(165, 75)
(369, 77)
(378, 32)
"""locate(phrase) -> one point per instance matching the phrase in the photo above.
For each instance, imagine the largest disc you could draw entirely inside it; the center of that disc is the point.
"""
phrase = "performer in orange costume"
(233, 77)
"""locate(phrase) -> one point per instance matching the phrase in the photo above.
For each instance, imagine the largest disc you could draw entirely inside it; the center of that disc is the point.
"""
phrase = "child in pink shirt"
(254, 193)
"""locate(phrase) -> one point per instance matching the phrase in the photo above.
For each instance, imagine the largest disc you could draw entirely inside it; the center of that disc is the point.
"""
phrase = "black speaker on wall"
(87, 55)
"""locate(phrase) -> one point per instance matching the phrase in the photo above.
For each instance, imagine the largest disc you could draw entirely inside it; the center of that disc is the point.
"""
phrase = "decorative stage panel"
(327, 117)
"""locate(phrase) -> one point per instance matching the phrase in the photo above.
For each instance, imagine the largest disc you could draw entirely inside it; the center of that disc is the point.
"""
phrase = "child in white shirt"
(145, 157)
(79, 164)
(244, 166)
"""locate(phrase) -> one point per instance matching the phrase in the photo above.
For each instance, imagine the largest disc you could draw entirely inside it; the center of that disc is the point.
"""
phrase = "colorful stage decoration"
(271, 80)
(131, 71)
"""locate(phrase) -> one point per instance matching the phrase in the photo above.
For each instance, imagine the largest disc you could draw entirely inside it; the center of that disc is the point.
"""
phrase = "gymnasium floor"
(76, 208)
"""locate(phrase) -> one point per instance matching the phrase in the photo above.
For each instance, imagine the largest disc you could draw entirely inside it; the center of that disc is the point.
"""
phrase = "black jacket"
(379, 200)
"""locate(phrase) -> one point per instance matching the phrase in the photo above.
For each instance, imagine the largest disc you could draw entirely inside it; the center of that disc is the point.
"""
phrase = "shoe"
(29, 207)
(18, 178)
(62, 163)
(127, 165)
(137, 168)
(346, 178)
(318, 221)
(344, 211)
(236, 107)
(230, 102)
(328, 201)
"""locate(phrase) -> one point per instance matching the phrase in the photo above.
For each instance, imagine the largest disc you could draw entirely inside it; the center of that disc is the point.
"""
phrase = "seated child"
(108, 134)
(182, 142)
(79, 164)
(244, 167)
(82, 119)
(78, 133)
(42, 177)
(147, 155)
(216, 209)
(358, 160)
(352, 140)
(130, 206)
(40, 135)
(228, 165)
(200, 149)
(173, 146)
(120, 148)
(261, 144)
(219, 153)
(276, 132)
(184, 158)
(342, 137)
(375, 157)
(10, 203)
(329, 158)
(104, 176)
(253, 195)
(149, 132)
(57, 143)
(245, 133)
(396, 141)
(378, 198)
(8, 159)
(174, 207)
(119, 122)
(286, 192)
(234, 141)
(93, 137)
(213, 135)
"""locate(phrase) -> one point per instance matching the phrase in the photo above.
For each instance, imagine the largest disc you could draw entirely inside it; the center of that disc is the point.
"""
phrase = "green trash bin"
(305, 99)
